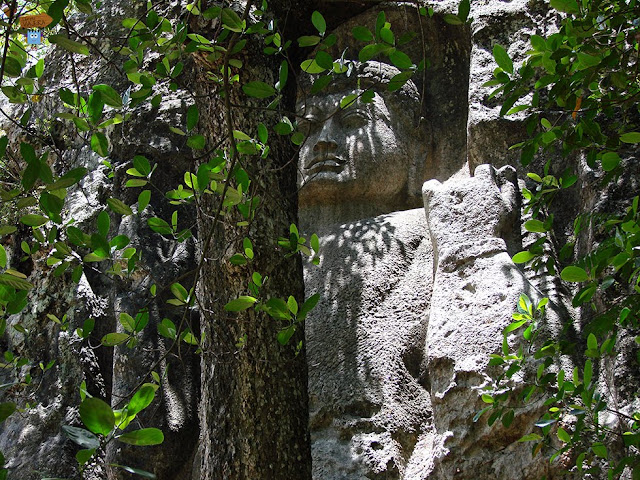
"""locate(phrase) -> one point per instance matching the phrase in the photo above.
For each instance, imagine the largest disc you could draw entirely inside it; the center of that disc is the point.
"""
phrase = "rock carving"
(412, 305)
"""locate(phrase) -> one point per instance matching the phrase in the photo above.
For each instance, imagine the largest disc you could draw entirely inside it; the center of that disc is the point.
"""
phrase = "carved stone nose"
(326, 141)
(325, 145)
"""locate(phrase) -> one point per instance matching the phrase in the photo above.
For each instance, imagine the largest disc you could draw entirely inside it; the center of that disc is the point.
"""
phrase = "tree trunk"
(254, 412)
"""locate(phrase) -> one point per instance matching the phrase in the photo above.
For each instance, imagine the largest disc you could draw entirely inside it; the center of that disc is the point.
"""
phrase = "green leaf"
(452, 19)
(32, 220)
(400, 60)
(192, 117)
(109, 95)
(386, 35)
(531, 437)
(502, 58)
(535, 226)
(587, 61)
(258, 89)
(143, 200)
(56, 10)
(113, 339)
(189, 337)
(574, 274)
(4, 142)
(118, 206)
(310, 66)
(348, 100)
(566, 6)
(277, 308)
(285, 335)
(479, 413)
(362, 33)
(538, 43)
(523, 257)
(248, 248)
(196, 142)
(81, 437)
(630, 137)
(324, 60)
(84, 455)
(588, 372)
(315, 243)
(70, 178)
(507, 418)
(463, 10)
(104, 223)
(600, 450)
(141, 165)
(292, 304)
(370, 51)
(97, 416)
(3, 257)
(308, 305)
(12, 67)
(319, 22)
(263, 134)
(127, 322)
(30, 175)
(239, 135)
(399, 80)
(136, 182)
(6, 409)
(179, 292)
(320, 83)
(308, 40)
(283, 127)
(167, 329)
(100, 144)
(298, 138)
(610, 160)
(231, 20)
(240, 303)
(28, 152)
(141, 400)
(563, 435)
(158, 225)
(69, 45)
(143, 437)
(238, 259)
(592, 342)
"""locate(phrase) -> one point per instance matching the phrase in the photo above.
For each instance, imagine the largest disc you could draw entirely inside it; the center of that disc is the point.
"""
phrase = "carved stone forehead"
(363, 76)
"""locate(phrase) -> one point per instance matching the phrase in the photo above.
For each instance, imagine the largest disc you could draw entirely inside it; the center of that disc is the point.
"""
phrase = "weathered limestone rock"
(33, 442)
(368, 399)
(415, 290)
(413, 302)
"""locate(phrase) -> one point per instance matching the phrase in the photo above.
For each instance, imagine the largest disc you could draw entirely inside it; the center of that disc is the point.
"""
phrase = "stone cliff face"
(415, 291)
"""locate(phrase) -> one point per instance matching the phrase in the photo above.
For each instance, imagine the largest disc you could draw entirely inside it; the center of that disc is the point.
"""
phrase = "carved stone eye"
(308, 125)
(355, 119)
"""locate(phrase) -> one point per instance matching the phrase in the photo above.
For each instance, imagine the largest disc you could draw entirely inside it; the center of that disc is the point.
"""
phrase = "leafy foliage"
(579, 87)
(103, 425)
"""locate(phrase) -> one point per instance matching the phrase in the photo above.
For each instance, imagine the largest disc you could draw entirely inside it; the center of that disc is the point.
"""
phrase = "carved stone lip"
(330, 163)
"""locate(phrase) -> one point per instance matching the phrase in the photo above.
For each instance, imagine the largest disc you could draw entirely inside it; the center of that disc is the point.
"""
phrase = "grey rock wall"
(433, 361)
(415, 289)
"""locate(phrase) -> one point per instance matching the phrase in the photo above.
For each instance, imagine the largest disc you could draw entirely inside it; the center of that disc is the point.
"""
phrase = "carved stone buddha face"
(361, 153)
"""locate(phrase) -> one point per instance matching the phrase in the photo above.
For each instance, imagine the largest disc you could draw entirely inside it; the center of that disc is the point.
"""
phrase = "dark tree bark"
(254, 412)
